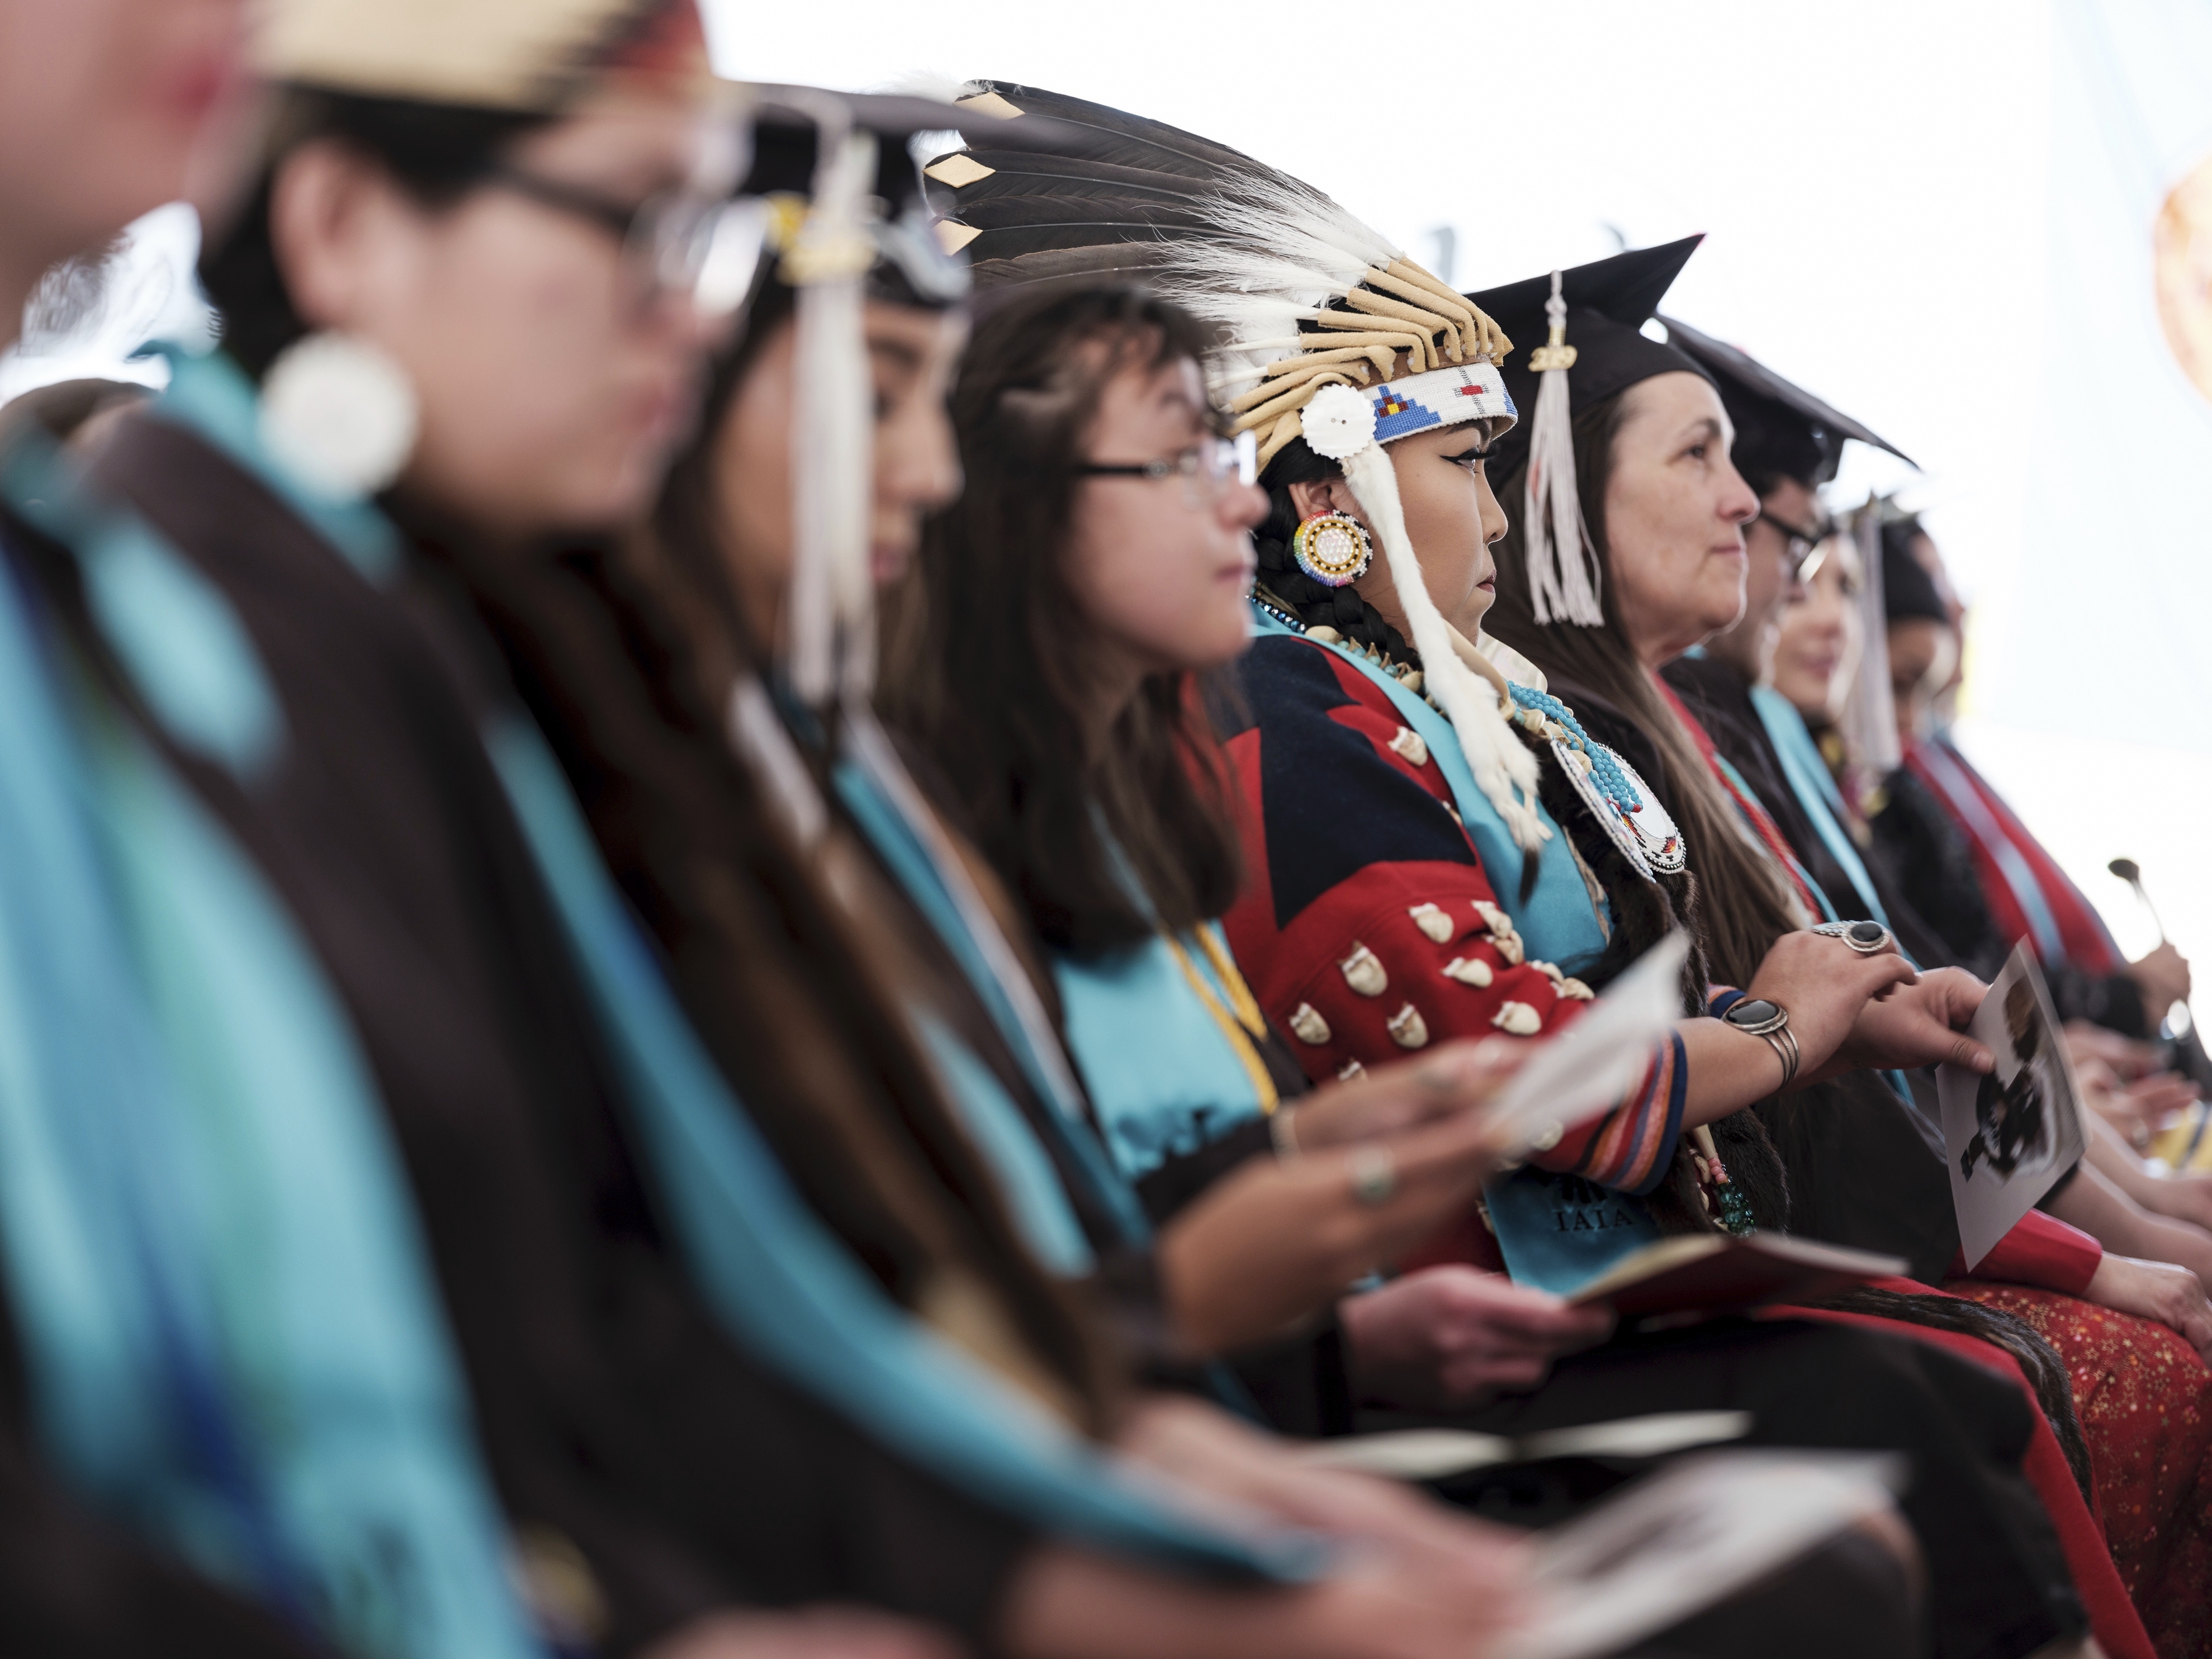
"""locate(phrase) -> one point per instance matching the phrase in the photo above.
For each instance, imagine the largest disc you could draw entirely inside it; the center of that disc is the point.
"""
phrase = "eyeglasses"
(1802, 542)
(704, 248)
(1205, 469)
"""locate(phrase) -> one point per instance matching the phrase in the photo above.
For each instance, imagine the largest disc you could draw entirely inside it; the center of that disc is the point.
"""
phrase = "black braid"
(1317, 605)
(1643, 912)
(2046, 1370)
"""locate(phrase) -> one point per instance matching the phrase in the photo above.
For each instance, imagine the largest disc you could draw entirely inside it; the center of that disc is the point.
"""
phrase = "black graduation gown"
(1718, 695)
(612, 1411)
(1864, 1169)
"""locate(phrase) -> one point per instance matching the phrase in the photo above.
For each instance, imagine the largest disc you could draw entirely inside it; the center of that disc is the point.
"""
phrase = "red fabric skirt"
(2145, 1401)
(2118, 1628)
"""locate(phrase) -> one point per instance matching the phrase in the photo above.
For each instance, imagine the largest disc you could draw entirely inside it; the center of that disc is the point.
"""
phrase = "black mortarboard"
(787, 124)
(1907, 589)
(1608, 300)
(1602, 353)
(1781, 428)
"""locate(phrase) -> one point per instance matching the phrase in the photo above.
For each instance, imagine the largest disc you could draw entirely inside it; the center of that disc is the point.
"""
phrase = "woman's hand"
(2127, 1057)
(1922, 1022)
(1206, 1449)
(1447, 1597)
(1454, 1077)
(1273, 1242)
(2158, 1290)
(1416, 1580)
(1824, 985)
(2162, 977)
(1450, 1336)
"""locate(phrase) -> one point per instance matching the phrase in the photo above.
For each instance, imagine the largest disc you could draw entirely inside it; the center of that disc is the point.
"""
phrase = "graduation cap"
(1908, 590)
(524, 56)
(1782, 430)
(1591, 318)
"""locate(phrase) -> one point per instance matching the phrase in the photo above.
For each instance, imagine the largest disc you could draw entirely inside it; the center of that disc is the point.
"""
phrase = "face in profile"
(1817, 641)
(1160, 566)
(1922, 654)
(1675, 507)
(1452, 518)
(916, 466)
(554, 375)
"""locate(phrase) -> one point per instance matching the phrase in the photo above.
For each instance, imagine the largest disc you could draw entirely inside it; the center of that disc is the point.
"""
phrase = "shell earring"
(1333, 548)
(340, 413)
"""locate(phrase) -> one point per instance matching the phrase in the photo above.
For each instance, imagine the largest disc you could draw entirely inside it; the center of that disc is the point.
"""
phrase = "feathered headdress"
(1328, 332)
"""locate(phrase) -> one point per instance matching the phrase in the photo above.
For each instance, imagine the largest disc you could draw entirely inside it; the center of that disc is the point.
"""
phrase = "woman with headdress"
(1137, 197)
(1640, 467)
(486, 240)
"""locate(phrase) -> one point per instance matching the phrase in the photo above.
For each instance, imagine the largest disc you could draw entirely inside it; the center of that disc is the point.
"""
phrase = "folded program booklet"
(1719, 1272)
(1439, 1453)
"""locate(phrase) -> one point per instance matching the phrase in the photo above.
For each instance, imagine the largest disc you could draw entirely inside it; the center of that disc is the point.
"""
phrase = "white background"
(1934, 212)
(1882, 196)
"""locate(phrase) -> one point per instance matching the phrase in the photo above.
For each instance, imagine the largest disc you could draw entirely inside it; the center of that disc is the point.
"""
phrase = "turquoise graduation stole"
(231, 1326)
(785, 1289)
(1166, 1079)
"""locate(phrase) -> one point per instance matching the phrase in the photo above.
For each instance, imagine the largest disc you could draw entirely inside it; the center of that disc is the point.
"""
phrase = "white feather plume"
(1282, 252)
(1501, 762)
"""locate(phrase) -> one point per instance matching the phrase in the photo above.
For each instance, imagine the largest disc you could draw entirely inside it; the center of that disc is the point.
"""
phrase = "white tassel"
(832, 603)
(1563, 578)
(1500, 761)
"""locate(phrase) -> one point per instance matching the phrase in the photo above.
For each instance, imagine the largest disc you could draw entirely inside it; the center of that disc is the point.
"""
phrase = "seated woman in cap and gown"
(1937, 807)
(697, 765)
(1786, 444)
(1648, 445)
(689, 1393)
(2155, 1540)
(1021, 223)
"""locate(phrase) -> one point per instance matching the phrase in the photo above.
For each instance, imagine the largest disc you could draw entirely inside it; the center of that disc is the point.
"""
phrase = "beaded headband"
(1327, 332)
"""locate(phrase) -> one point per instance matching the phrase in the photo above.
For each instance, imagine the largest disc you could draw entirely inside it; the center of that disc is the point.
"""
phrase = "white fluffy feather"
(1283, 253)
(1501, 762)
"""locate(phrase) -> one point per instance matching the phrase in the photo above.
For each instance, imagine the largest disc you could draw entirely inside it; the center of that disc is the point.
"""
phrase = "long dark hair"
(1317, 603)
(988, 663)
(1741, 903)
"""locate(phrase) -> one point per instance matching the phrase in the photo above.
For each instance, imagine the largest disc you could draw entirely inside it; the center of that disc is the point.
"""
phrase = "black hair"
(989, 663)
(1774, 444)
(1317, 603)
(436, 152)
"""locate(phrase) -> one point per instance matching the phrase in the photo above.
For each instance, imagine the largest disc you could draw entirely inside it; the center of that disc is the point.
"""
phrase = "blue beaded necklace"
(1612, 783)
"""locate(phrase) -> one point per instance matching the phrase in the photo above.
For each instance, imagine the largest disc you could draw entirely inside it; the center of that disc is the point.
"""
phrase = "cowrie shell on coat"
(1308, 1026)
(1409, 744)
(1469, 970)
(1408, 1029)
(1364, 972)
(1518, 1018)
(1431, 920)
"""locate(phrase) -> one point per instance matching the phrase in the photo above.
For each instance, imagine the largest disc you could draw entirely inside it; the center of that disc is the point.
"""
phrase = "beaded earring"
(1333, 548)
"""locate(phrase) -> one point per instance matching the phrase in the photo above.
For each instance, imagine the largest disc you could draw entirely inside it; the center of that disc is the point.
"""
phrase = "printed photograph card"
(2011, 1134)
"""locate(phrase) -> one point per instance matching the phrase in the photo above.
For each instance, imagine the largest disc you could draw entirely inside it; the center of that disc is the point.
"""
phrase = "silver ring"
(1374, 1174)
(1867, 937)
